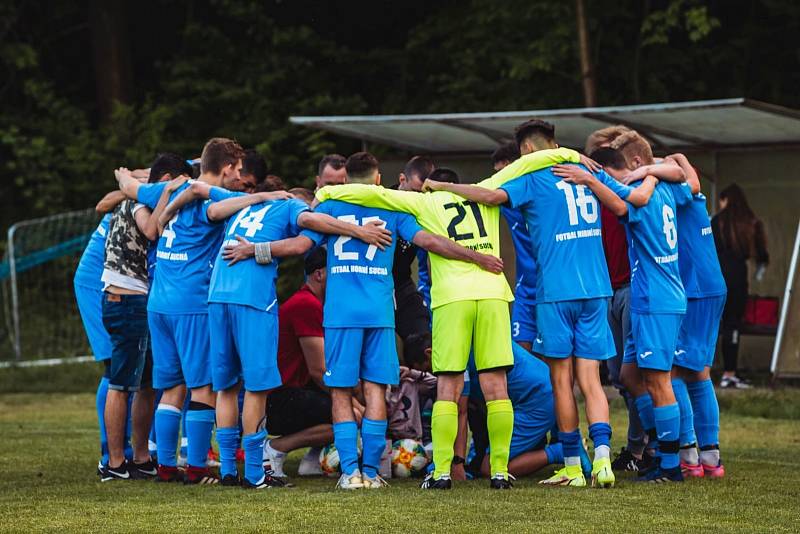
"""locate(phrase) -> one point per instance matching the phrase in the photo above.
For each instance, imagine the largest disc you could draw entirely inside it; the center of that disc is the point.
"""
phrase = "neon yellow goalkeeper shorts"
(460, 325)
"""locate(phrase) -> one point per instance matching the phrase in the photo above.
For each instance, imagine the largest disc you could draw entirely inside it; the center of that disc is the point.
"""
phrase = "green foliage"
(240, 68)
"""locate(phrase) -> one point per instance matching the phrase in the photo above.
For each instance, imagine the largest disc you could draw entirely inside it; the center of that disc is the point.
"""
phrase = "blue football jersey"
(564, 225)
(186, 252)
(528, 380)
(360, 288)
(653, 252)
(525, 287)
(699, 265)
(246, 282)
(90, 267)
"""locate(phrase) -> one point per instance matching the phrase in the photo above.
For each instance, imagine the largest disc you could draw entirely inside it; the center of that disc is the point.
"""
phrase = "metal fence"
(40, 316)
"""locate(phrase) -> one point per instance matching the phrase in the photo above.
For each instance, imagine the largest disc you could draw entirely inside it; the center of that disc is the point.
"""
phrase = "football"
(408, 458)
(329, 460)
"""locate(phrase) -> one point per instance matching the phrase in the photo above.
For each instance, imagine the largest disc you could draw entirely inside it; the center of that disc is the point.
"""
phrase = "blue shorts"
(531, 425)
(90, 306)
(652, 340)
(360, 353)
(125, 319)
(574, 328)
(244, 344)
(181, 351)
(697, 340)
(523, 321)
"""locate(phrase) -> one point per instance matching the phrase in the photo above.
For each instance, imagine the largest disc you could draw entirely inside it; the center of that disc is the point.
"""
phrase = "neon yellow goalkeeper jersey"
(469, 224)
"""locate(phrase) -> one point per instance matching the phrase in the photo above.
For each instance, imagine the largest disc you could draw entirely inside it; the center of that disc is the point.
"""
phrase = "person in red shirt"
(300, 410)
(615, 245)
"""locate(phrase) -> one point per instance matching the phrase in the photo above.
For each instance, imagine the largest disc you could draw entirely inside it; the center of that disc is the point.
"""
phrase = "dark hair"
(508, 152)
(306, 195)
(336, 162)
(255, 165)
(421, 166)
(609, 157)
(737, 222)
(196, 170)
(168, 163)
(414, 347)
(443, 174)
(271, 183)
(360, 164)
(218, 153)
(534, 128)
(316, 259)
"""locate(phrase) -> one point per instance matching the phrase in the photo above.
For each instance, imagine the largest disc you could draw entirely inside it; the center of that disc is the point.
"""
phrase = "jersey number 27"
(338, 245)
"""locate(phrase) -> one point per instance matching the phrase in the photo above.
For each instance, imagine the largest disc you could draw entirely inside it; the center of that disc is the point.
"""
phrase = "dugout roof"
(733, 123)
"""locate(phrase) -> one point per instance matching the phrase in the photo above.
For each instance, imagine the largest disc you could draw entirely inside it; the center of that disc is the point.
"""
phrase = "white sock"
(270, 450)
(602, 451)
(689, 456)
(710, 458)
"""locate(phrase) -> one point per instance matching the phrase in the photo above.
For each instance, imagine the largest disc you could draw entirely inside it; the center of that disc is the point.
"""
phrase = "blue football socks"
(199, 427)
(373, 443)
(345, 437)
(687, 436)
(668, 426)
(253, 445)
(100, 405)
(228, 440)
(167, 422)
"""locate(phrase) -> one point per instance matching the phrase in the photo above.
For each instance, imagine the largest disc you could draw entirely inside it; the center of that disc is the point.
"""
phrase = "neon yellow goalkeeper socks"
(444, 427)
(500, 423)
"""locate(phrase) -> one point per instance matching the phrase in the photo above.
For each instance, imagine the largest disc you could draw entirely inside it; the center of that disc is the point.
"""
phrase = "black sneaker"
(441, 483)
(231, 480)
(501, 482)
(662, 476)
(626, 461)
(115, 473)
(144, 471)
(267, 482)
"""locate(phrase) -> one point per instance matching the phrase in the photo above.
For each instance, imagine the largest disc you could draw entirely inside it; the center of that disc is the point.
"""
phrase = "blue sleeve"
(220, 193)
(407, 227)
(518, 191)
(296, 208)
(316, 237)
(619, 189)
(149, 194)
(682, 193)
(634, 214)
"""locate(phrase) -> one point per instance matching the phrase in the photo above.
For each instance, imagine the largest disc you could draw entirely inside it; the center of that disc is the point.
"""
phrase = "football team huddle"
(177, 290)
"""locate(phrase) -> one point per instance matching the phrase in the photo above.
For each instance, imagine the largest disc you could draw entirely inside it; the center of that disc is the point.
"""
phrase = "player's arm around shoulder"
(374, 196)
(372, 233)
(576, 175)
(448, 249)
(221, 210)
(475, 193)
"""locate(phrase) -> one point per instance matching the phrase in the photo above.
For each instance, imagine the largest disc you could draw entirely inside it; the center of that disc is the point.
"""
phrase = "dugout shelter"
(737, 140)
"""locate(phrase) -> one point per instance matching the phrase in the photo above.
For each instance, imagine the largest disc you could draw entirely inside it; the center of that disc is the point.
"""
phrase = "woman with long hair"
(739, 236)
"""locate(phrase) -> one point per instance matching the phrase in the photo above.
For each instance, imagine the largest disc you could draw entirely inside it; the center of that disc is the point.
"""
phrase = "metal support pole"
(787, 296)
(12, 267)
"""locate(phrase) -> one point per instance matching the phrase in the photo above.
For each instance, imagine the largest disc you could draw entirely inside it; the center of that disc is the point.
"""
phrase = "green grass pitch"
(48, 456)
